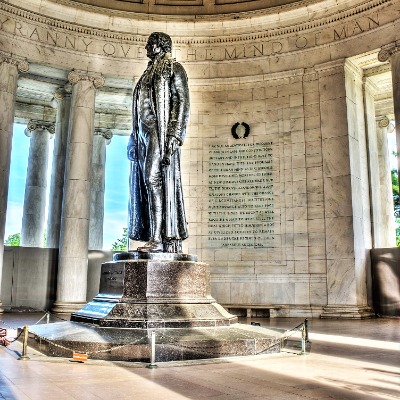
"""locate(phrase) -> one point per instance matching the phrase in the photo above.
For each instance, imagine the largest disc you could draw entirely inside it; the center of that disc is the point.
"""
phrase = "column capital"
(106, 133)
(77, 75)
(34, 125)
(388, 50)
(63, 92)
(384, 122)
(19, 62)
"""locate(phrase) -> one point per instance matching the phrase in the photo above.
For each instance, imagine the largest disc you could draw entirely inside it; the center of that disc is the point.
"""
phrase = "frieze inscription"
(266, 43)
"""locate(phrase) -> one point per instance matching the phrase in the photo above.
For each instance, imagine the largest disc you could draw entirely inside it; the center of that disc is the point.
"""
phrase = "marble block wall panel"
(34, 277)
(341, 281)
(338, 192)
(276, 111)
(7, 277)
(29, 276)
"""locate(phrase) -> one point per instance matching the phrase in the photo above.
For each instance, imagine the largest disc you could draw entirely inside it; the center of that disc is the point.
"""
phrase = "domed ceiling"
(188, 7)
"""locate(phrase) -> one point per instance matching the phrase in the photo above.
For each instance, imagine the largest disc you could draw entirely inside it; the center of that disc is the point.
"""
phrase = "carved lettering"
(373, 23)
(125, 51)
(277, 47)
(241, 199)
(2, 22)
(70, 42)
(316, 38)
(109, 49)
(341, 35)
(258, 50)
(356, 28)
(86, 44)
(301, 42)
(18, 28)
(191, 55)
(40, 33)
(53, 37)
(33, 34)
(230, 55)
(209, 54)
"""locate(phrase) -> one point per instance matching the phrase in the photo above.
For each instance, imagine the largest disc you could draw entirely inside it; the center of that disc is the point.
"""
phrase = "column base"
(347, 312)
(66, 308)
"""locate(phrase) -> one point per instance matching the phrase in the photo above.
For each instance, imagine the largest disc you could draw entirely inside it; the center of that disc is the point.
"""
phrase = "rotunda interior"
(287, 216)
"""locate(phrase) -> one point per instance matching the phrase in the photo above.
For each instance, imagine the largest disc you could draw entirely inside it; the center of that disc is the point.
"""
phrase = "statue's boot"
(154, 245)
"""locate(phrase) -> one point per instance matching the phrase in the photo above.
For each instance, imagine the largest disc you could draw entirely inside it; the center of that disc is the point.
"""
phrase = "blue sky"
(116, 190)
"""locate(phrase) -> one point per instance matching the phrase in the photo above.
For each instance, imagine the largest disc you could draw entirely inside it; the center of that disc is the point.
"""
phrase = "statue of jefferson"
(160, 113)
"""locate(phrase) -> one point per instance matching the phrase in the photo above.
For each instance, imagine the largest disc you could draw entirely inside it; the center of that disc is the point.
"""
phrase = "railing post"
(153, 351)
(304, 337)
(47, 317)
(24, 356)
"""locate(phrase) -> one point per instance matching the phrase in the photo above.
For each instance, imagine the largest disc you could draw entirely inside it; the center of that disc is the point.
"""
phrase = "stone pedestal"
(165, 293)
(155, 293)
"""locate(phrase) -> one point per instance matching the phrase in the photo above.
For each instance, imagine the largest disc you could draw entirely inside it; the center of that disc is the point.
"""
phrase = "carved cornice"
(77, 75)
(19, 62)
(331, 67)
(37, 125)
(302, 27)
(387, 51)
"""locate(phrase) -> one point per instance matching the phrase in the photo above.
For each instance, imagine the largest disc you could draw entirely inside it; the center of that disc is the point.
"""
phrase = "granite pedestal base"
(61, 339)
(166, 293)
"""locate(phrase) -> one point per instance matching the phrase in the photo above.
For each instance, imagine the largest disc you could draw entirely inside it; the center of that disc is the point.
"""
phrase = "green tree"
(13, 240)
(396, 197)
(122, 243)
(396, 203)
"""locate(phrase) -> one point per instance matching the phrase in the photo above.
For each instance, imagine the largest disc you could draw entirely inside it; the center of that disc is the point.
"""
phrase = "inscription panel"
(243, 208)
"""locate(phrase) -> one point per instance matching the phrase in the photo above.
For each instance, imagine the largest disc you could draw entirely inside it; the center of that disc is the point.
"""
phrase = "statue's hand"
(131, 153)
(172, 145)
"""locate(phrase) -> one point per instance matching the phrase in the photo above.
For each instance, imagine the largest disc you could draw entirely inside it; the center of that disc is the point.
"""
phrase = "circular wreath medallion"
(246, 130)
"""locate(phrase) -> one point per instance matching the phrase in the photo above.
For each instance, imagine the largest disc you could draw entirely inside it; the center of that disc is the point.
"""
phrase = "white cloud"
(13, 218)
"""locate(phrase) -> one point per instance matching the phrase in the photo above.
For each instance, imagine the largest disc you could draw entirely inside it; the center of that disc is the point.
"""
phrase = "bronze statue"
(160, 113)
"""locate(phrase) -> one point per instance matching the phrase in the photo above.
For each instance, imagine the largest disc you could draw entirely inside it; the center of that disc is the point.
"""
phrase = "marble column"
(10, 66)
(345, 177)
(391, 52)
(101, 138)
(33, 215)
(63, 98)
(74, 236)
(388, 235)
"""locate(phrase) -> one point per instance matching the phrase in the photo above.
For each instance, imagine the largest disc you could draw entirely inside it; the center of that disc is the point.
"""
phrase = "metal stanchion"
(153, 351)
(304, 337)
(47, 317)
(24, 356)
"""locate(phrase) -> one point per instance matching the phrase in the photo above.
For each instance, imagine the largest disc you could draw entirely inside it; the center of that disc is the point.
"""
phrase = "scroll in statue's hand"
(172, 145)
(131, 154)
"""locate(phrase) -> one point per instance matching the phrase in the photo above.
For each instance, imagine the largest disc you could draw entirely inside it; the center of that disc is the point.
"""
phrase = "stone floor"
(348, 360)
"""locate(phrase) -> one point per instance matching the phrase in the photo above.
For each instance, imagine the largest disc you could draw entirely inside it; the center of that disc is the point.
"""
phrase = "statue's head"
(157, 43)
